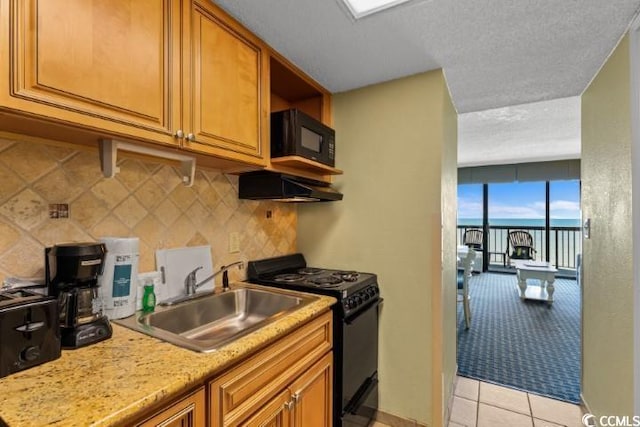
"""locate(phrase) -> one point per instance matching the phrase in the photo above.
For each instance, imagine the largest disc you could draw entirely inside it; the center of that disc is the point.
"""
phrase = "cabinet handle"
(179, 134)
(288, 405)
(191, 137)
(296, 398)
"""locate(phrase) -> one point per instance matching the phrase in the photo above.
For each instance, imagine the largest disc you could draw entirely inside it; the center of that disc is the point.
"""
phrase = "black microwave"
(293, 133)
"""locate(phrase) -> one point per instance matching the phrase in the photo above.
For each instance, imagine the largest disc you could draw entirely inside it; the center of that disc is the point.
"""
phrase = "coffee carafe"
(71, 272)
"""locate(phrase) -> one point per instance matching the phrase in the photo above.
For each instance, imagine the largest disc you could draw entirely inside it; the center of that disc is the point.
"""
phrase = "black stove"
(354, 290)
(318, 277)
(355, 328)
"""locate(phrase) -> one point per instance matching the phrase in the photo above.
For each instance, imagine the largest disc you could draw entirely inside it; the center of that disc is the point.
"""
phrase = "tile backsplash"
(145, 199)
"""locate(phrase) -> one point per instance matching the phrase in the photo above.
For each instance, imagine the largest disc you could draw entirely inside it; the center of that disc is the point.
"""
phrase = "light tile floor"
(480, 404)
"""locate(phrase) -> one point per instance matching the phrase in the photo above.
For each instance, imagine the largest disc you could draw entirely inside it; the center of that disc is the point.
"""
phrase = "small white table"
(542, 271)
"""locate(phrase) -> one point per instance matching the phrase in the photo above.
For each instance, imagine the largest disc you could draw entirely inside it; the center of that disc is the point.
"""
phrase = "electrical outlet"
(234, 242)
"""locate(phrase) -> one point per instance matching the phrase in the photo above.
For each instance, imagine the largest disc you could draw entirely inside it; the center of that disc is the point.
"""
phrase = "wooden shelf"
(292, 88)
(298, 162)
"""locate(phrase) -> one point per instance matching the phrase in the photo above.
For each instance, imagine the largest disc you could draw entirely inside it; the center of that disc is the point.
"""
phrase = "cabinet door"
(312, 395)
(243, 390)
(276, 413)
(226, 106)
(105, 64)
(188, 412)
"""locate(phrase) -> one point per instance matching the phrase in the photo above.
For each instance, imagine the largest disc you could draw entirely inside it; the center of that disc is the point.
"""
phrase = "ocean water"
(563, 244)
(521, 222)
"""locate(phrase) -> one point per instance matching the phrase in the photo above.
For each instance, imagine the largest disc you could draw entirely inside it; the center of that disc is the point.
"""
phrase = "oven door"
(362, 409)
(360, 366)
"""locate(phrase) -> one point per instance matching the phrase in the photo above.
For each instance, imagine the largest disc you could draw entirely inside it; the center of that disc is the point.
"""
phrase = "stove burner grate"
(326, 281)
(288, 277)
(347, 276)
(310, 271)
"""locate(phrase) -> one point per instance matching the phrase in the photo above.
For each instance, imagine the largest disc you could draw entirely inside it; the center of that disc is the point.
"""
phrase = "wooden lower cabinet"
(305, 403)
(312, 395)
(273, 414)
(189, 411)
(288, 383)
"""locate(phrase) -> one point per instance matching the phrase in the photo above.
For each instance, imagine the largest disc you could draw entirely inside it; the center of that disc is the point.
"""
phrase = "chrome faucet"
(191, 284)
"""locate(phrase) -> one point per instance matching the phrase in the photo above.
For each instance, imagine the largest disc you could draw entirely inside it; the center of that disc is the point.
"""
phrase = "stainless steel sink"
(209, 322)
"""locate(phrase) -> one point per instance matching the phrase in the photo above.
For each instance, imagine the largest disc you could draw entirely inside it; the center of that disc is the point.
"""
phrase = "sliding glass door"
(515, 206)
(470, 205)
(565, 239)
(548, 210)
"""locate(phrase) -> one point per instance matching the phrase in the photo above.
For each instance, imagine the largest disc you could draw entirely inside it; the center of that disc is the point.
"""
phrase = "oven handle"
(350, 320)
(362, 394)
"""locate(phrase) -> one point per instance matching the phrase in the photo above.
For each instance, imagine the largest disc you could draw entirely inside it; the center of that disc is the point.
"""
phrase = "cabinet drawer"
(243, 389)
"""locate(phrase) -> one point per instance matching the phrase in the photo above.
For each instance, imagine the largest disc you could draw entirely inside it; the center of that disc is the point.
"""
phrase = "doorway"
(523, 344)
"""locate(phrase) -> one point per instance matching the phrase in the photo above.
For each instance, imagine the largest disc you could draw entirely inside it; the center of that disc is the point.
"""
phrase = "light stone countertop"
(112, 382)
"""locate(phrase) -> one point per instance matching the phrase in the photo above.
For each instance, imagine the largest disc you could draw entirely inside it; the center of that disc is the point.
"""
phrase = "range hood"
(280, 187)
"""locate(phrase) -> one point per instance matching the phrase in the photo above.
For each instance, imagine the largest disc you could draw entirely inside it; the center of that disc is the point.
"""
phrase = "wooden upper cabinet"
(177, 72)
(226, 81)
(107, 64)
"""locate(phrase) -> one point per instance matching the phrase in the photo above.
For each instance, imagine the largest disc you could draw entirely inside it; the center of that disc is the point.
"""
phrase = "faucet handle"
(190, 281)
(193, 273)
(225, 280)
(225, 273)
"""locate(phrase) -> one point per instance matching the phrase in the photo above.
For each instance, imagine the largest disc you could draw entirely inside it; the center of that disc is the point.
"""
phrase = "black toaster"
(29, 330)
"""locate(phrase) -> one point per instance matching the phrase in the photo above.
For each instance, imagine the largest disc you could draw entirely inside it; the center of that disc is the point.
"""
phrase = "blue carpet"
(522, 344)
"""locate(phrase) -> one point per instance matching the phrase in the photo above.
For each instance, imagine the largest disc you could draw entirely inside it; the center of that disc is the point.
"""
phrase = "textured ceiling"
(494, 52)
(541, 131)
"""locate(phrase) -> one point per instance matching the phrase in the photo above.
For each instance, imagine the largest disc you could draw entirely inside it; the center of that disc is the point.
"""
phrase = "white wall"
(396, 142)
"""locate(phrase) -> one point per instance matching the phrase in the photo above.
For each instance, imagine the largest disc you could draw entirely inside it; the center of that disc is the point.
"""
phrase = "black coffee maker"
(71, 272)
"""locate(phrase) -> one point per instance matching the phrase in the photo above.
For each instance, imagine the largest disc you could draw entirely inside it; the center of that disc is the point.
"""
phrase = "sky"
(521, 200)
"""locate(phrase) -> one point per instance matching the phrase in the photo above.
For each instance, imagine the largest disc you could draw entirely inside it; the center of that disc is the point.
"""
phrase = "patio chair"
(473, 238)
(464, 273)
(520, 243)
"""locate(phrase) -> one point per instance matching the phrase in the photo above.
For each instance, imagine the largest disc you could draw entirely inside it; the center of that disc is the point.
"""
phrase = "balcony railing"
(564, 244)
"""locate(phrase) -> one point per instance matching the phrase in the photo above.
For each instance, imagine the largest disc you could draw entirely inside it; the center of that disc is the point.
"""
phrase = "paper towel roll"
(118, 282)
